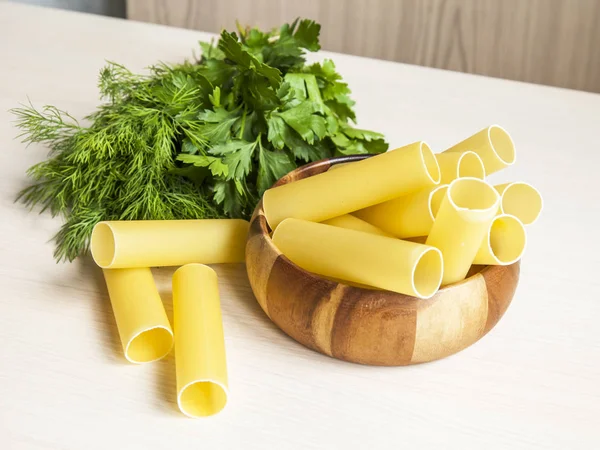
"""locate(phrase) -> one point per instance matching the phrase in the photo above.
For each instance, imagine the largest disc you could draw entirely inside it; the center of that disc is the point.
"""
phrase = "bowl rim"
(328, 162)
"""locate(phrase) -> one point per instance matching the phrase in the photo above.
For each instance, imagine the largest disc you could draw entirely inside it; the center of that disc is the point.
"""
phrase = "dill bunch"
(201, 139)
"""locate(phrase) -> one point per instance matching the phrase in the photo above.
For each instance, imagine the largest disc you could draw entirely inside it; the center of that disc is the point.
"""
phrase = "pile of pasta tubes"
(126, 250)
(408, 220)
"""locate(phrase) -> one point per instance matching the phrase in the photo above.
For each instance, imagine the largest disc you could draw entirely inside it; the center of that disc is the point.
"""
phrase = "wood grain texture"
(260, 251)
(531, 384)
(374, 327)
(455, 318)
(552, 42)
(498, 290)
(370, 326)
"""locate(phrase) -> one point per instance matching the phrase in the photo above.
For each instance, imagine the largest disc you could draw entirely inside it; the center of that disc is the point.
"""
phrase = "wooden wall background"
(553, 42)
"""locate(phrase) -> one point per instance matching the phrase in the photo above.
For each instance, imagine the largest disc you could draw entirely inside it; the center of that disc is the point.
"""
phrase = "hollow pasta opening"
(149, 345)
(522, 201)
(471, 193)
(202, 398)
(427, 275)
(103, 245)
(502, 144)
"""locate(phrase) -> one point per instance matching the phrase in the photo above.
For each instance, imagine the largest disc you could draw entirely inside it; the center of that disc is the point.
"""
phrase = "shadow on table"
(109, 334)
(165, 368)
(167, 384)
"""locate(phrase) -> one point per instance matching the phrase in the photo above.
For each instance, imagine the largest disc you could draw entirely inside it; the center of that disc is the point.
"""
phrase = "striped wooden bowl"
(371, 326)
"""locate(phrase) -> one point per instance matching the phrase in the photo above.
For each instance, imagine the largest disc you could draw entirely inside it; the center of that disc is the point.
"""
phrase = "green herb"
(201, 139)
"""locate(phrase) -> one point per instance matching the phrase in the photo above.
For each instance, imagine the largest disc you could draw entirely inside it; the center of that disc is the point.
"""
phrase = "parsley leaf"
(210, 51)
(305, 121)
(307, 35)
(272, 166)
(238, 157)
(277, 131)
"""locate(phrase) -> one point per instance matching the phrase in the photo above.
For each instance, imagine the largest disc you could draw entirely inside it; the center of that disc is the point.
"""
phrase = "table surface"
(532, 383)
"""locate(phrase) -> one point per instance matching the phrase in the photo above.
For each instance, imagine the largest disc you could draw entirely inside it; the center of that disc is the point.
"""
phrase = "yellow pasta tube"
(408, 216)
(363, 258)
(521, 200)
(150, 243)
(455, 165)
(504, 242)
(354, 223)
(493, 145)
(200, 365)
(461, 224)
(355, 186)
(143, 325)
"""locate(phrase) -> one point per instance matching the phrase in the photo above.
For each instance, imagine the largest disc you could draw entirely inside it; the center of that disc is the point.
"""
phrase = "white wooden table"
(533, 382)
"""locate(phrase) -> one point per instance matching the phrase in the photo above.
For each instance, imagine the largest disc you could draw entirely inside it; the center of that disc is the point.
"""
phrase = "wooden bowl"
(371, 326)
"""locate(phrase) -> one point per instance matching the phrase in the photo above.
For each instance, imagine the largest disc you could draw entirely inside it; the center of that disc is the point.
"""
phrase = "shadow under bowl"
(371, 326)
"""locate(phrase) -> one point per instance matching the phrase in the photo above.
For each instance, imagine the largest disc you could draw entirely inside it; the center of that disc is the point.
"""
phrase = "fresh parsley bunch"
(196, 140)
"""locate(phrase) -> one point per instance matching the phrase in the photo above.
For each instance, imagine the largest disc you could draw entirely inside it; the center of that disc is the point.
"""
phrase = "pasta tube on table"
(521, 200)
(355, 186)
(461, 224)
(200, 364)
(359, 257)
(150, 243)
(408, 216)
(504, 242)
(493, 145)
(455, 165)
(142, 322)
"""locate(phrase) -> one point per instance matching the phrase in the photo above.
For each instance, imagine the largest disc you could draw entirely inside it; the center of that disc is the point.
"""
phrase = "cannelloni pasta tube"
(201, 369)
(504, 242)
(408, 216)
(143, 325)
(354, 223)
(521, 200)
(461, 224)
(493, 145)
(455, 165)
(363, 258)
(355, 186)
(150, 243)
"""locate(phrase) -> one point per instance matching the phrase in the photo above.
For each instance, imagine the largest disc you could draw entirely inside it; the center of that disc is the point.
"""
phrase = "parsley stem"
(241, 135)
